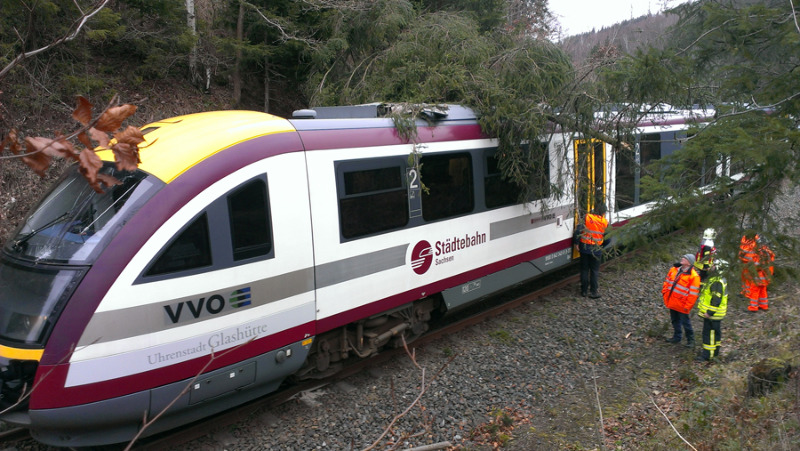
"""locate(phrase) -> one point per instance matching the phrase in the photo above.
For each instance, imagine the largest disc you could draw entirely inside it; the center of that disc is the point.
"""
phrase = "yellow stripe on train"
(21, 354)
(173, 146)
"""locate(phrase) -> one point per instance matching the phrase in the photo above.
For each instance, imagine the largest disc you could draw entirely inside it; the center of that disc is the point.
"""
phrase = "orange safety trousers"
(757, 294)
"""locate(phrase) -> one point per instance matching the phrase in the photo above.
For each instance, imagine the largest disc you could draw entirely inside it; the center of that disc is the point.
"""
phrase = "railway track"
(499, 304)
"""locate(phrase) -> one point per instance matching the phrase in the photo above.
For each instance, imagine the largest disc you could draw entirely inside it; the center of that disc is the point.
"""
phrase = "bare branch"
(285, 35)
(664, 415)
(71, 34)
(423, 388)
(794, 16)
(72, 135)
(185, 390)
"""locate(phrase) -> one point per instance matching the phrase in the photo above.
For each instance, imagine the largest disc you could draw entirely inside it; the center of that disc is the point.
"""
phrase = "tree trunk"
(237, 76)
(266, 84)
(191, 22)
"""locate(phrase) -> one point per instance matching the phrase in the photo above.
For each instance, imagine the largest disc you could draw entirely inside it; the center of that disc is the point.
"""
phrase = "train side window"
(650, 151)
(499, 192)
(248, 210)
(539, 184)
(448, 178)
(373, 197)
(190, 250)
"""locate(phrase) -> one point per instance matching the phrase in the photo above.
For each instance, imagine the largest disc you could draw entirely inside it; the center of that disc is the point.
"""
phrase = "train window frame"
(222, 247)
(198, 265)
(445, 186)
(247, 251)
(357, 216)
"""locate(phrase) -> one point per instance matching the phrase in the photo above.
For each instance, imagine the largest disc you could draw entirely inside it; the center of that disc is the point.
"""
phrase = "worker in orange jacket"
(757, 271)
(680, 291)
(590, 246)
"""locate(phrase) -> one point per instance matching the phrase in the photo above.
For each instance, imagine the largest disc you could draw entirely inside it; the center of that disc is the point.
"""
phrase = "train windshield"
(31, 298)
(73, 223)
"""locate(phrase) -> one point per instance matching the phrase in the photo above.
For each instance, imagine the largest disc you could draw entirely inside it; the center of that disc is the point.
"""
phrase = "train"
(249, 249)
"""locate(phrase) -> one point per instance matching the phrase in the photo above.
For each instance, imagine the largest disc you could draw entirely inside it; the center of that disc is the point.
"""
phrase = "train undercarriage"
(367, 337)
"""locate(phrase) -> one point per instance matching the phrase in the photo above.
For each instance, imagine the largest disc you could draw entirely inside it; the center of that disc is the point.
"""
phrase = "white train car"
(248, 248)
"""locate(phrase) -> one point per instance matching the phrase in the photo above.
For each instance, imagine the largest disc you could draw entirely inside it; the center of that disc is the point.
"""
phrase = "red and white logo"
(421, 257)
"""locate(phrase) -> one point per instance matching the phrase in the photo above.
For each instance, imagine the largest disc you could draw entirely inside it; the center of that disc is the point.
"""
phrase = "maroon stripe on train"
(385, 136)
(51, 392)
(338, 320)
(143, 224)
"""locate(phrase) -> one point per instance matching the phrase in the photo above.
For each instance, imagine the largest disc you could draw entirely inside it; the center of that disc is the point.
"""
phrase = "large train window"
(649, 151)
(448, 179)
(539, 181)
(190, 250)
(498, 191)
(625, 178)
(249, 218)
(372, 196)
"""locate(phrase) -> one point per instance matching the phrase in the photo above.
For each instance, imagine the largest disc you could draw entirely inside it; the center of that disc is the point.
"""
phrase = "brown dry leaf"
(90, 164)
(101, 137)
(112, 118)
(61, 148)
(58, 148)
(126, 156)
(12, 142)
(83, 112)
(84, 139)
(36, 159)
(131, 135)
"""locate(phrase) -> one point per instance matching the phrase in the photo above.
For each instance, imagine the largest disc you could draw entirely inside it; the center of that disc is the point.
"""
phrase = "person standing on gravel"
(591, 248)
(680, 291)
(712, 306)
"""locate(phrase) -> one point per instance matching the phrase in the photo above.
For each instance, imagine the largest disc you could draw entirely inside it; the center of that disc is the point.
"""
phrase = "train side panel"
(366, 275)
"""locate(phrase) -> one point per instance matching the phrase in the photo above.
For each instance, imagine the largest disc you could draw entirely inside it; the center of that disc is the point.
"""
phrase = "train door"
(590, 177)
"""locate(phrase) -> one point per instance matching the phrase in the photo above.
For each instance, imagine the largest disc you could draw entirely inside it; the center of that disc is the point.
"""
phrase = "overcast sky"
(580, 16)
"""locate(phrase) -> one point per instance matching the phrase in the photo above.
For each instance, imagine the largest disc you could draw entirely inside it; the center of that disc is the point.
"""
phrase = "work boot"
(595, 295)
(673, 340)
(689, 342)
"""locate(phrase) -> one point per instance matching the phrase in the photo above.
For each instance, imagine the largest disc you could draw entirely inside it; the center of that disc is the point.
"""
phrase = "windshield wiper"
(19, 245)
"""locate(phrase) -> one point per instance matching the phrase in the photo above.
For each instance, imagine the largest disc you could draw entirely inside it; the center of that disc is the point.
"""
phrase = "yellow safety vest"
(709, 297)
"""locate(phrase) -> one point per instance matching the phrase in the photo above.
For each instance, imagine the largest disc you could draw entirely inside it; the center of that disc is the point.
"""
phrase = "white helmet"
(709, 234)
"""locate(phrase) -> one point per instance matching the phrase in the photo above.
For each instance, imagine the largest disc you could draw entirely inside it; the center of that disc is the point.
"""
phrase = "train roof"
(174, 145)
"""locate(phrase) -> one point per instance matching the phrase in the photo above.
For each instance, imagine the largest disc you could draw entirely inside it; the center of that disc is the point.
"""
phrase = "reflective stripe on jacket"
(714, 298)
(594, 227)
(681, 289)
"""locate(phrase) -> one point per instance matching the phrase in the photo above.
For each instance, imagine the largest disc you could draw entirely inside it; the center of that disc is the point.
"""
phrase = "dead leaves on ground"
(97, 134)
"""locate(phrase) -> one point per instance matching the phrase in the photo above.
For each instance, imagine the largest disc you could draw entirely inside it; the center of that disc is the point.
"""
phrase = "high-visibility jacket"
(681, 289)
(747, 250)
(714, 298)
(758, 260)
(765, 257)
(594, 227)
